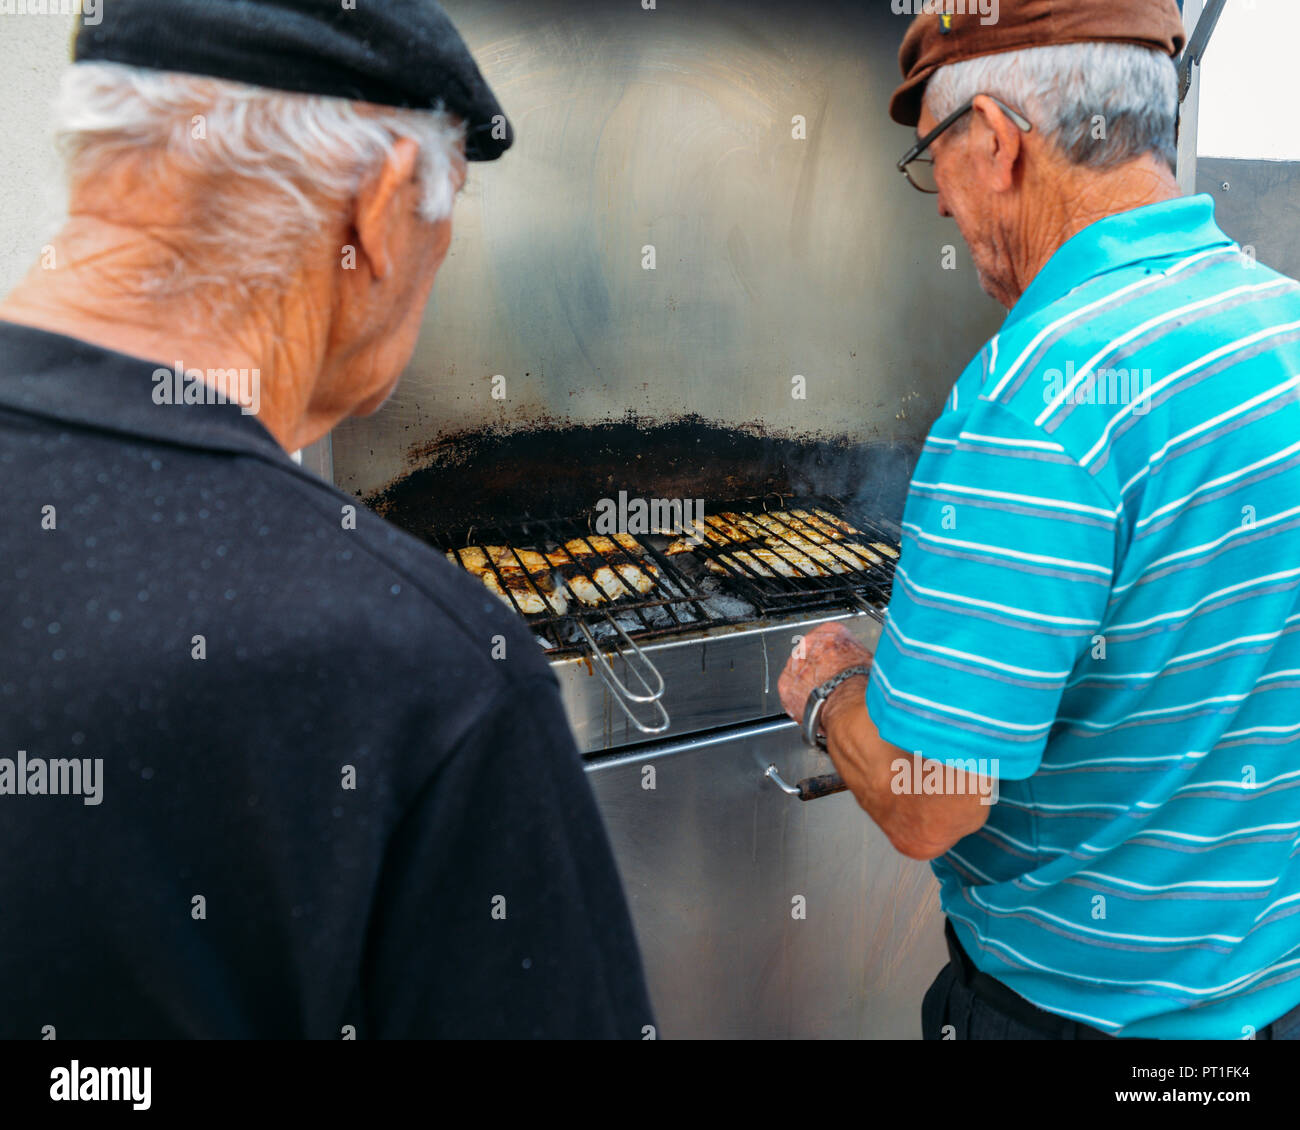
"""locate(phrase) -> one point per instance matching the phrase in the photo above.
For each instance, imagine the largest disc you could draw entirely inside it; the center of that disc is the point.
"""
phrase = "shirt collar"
(65, 379)
(1173, 227)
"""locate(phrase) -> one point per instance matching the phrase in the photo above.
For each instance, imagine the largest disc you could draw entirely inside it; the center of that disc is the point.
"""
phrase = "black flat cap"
(392, 52)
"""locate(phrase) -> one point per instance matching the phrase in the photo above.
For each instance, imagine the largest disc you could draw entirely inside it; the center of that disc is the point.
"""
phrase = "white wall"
(33, 53)
(1249, 81)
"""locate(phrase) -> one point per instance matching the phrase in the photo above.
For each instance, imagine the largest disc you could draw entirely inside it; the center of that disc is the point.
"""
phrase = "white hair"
(1102, 104)
(293, 161)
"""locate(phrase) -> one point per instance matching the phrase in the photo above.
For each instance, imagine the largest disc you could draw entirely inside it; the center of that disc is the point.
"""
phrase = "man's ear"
(1000, 141)
(378, 224)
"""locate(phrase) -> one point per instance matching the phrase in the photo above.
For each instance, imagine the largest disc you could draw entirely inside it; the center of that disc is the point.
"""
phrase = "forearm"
(920, 822)
(920, 826)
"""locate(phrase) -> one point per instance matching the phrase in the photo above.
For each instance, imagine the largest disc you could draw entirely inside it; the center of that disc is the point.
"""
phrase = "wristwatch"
(812, 711)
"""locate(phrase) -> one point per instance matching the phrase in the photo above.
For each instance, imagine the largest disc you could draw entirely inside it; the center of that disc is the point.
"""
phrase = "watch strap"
(816, 700)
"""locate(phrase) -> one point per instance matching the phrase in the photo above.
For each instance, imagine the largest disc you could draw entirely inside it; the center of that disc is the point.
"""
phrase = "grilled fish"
(742, 563)
(691, 544)
(713, 535)
(598, 543)
(857, 555)
(817, 522)
(794, 540)
(599, 568)
(525, 574)
(766, 563)
(784, 543)
(720, 530)
(587, 589)
(824, 519)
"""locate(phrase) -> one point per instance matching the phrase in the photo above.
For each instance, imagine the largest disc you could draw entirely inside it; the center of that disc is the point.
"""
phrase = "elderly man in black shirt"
(321, 784)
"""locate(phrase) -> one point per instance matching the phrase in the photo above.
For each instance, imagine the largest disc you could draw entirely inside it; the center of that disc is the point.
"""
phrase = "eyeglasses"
(919, 170)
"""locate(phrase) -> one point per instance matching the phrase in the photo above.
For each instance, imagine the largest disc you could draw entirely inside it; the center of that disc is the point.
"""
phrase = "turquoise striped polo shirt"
(1099, 588)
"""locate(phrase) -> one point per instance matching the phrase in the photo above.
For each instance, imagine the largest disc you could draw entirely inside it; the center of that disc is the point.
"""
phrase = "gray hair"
(1073, 92)
(298, 158)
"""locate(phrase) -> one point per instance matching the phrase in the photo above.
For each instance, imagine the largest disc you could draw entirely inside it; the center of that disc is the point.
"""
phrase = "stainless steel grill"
(673, 384)
(749, 560)
(686, 590)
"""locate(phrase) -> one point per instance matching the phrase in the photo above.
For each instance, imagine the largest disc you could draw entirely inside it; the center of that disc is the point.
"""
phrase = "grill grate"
(684, 593)
(851, 575)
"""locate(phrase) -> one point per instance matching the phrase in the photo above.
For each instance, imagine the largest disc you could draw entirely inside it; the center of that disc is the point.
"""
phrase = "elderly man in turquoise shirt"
(1096, 617)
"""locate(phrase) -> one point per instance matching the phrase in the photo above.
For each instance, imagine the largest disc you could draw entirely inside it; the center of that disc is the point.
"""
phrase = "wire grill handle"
(619, 691)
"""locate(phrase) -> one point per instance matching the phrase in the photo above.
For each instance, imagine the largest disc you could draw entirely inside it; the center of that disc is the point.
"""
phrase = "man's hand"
(823, 653)
(919, 826)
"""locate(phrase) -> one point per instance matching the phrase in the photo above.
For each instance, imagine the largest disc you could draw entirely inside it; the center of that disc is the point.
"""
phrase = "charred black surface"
(566, 471)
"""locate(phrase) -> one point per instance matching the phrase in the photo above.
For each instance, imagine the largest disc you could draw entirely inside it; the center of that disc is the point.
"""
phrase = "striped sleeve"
(1008, 554)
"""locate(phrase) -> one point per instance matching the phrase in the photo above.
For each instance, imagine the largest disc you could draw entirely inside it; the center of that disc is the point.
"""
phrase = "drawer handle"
(810, 788)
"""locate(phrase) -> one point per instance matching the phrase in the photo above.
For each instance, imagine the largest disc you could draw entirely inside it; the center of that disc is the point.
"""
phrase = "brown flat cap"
(949, 31)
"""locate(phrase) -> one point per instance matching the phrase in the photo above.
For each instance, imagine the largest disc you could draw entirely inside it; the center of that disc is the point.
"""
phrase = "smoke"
(872, 479)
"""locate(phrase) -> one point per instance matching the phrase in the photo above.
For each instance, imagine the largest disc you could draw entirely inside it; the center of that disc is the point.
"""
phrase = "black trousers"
(965, 1004)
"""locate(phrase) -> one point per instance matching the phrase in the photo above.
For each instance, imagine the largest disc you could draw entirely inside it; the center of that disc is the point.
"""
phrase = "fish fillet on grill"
(761, 545)
(766, 563)
(603, 551)
(583, 586)
(529, 584)
(822, 522)
(821, 531)
(795, 542)
(740, 562)
(472, 559)
(598, 543)
(758, 524)
(527, 559)
(786, 525)
(598, 568)
(784, 543)
(715, 530)
(825, 525)
(732, 527)
(720, 530)
(836, 556)
(858, 556)
(692, 543)
(823, 519)
(796, 547)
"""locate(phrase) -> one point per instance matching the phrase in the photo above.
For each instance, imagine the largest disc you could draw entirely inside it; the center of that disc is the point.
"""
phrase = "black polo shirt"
(338, 790)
